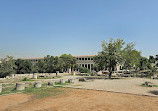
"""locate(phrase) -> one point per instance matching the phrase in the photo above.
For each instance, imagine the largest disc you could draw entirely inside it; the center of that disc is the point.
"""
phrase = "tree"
(131, 57)
(84, 70)
(50, 63)
(111, 54)
(7, 66)
(152, 59)
(69, 61)
(24, 66)
(41, 66)
(156, 58)
(100, 61)
(114, 52)
(144, 64)
(59, 64)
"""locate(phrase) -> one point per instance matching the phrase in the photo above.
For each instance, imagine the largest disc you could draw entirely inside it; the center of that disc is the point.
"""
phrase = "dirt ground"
(79, 100)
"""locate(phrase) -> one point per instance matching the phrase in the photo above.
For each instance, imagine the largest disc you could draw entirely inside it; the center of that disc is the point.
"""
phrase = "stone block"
(51, 83)
(62, 81)
(0, 88)
(34, 76)
(82, 79)
(37, 84)
(69, 80)
(20, 86)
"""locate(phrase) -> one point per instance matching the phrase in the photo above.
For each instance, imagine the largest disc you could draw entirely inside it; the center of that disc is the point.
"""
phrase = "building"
(83, 61)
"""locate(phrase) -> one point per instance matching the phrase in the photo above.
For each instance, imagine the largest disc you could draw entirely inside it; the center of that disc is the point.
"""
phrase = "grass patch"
(143, 85)
(155, 85)
(40, 93)
(44, 77)
(44, 92)
(26, 79)
(58, 83)
(8, 88)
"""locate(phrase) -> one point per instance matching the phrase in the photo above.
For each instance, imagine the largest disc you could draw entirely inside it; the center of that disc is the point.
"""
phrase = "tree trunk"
(110, 73)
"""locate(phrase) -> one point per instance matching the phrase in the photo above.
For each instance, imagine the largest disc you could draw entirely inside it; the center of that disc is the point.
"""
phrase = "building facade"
(83, 61)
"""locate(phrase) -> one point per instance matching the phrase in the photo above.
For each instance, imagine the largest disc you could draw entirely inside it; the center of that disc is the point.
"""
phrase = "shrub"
(85, 70)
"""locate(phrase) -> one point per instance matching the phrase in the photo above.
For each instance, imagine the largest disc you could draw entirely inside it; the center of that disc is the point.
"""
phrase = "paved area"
(129, 85)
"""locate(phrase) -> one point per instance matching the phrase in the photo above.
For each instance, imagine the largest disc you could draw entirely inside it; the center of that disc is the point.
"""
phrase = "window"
(86, 65)
(89, 66)
(89, 59)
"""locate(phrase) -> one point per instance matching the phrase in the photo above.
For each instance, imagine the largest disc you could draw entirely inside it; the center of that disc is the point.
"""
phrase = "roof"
(85, 56)
(32, 58)
(73, 56)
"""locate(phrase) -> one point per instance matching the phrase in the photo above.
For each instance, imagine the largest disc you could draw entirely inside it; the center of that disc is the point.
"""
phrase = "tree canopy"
(114, 52)
(7, 66)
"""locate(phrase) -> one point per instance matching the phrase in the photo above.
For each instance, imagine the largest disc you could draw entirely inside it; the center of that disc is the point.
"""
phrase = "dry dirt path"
(128, 85)
(80, 100)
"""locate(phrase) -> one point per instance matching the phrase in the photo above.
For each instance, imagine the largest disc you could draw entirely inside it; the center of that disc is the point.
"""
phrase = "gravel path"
(129, 85)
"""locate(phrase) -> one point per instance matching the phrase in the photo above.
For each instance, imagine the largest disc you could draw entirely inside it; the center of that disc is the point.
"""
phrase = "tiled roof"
(85, 56)
(32, 58)
(73, 56)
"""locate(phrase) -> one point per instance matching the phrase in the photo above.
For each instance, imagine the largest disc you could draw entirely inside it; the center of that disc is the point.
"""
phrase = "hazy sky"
(35, 28)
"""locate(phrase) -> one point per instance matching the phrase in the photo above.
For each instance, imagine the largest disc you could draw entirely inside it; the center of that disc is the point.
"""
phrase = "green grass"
(44, 92)
(155, 85)
(58, 83)
(148, 86)
(44, 78)
(26, 79)
(8, 88)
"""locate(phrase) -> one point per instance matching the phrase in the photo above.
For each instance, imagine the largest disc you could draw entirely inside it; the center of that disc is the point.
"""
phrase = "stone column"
(57, 73)
(69, 80)
(0, 88)
(34, 76)
(20, 86)
(90, 67)
(62, 81)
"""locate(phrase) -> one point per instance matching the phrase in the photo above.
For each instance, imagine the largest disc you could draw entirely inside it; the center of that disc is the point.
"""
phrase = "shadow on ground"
(153, 92)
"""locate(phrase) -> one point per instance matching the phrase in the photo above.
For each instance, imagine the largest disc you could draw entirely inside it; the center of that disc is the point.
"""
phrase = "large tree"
(7, 66)
(50, 63)
(24, 66)
(41, 66)
(131, 57)
(152, 59)
(69, 61)
(114, 53)
(100, 61)
(144, 63)
(111, 54)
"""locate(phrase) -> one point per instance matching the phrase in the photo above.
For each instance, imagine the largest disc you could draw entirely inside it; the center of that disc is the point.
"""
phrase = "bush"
(26, 79)
(85, 70)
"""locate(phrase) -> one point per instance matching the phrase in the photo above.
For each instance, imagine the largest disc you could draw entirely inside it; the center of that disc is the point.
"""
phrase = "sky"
(36, 28)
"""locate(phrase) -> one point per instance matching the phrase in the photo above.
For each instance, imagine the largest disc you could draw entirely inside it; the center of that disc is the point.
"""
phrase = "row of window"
(84, 59)
(35, 60)
(88, 66)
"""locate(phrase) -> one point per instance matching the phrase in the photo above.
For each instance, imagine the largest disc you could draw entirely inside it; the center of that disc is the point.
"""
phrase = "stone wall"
(31, 75)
